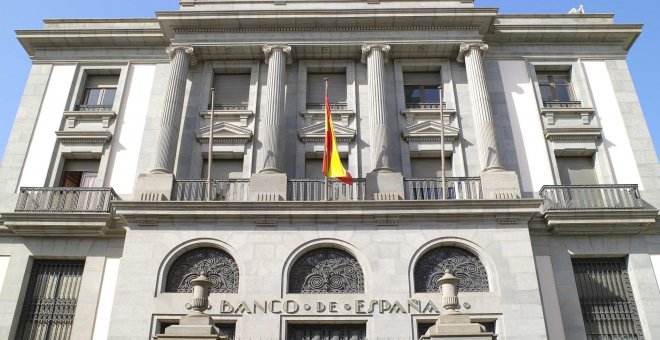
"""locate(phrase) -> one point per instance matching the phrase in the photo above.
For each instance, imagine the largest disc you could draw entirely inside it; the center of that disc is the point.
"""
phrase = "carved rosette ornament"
(326, 271)
(219, 267)
(467, 268)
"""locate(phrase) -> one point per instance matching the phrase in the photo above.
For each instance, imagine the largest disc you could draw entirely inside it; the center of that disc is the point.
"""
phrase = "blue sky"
(27, 14)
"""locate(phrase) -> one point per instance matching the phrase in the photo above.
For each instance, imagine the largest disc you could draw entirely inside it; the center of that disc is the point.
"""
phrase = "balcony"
(195, 190)
(44, 212)
(229, 107)
(93, 108)
(595, 209)
(305, 189)
(426, 106)
(458, 188)
(65, 200)
(562, 105)
(321, 106)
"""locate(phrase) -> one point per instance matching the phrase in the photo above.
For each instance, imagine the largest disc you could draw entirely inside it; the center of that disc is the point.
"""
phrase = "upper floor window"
(421, 90)
(79, 173)
(218, 266)
(464, 265)
(232, 91)
(99, 93)
(336, 90)
(556, 89)
(576, 170)
(326, 271)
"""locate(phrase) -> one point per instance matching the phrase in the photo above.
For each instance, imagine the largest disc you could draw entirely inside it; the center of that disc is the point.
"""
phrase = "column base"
(193, 327)
(384, 185)
(456, 326)
(265, 187)
(500, 185)
(154, 187)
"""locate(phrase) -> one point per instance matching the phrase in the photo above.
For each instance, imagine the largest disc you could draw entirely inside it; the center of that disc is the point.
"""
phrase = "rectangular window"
(232, 91)
(606, 299)
(316, 90)
(326, 332)
(221, 168)
(79, 173)
(555, 87)
(575, 170)
(99, 93)
(430, 167)
(421, 90)
(314, 167)
(50, 301)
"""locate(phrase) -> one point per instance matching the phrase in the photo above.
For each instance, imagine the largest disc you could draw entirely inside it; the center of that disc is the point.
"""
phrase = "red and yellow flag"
(332, 167)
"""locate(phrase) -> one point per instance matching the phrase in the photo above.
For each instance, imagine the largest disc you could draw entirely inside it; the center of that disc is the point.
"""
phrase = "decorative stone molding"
(368, 48)
(74, 117)
(465, 48)
(83, 137)
(268, 50)
(387, 220)
(316, 133)
(171, 52)
(239, 116)
(224, 133)
(429, 131)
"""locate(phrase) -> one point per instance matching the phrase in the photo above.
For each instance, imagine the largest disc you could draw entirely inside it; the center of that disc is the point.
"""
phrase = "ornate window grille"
(326, 271)
(219, 267)
(464, 265)
(606, 299)
(326, 332)
(50, 301)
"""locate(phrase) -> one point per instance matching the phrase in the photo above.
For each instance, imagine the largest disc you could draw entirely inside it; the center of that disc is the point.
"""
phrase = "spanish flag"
(332, 167)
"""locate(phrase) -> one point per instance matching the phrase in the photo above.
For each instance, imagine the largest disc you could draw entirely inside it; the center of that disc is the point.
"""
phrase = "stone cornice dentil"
(172, 50)
(268, 50)
(465, 47)
(366, 49)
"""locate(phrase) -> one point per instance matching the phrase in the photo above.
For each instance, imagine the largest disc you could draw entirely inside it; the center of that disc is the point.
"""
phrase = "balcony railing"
(425, 105)
(94, 108)
(458, 188)
(591, 197)
(65, 200)
(305, 189)
(230, 107)
(321, 106)
(562, 105)
(221, 189)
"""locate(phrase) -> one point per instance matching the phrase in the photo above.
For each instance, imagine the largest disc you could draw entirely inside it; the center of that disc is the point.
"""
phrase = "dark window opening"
(326, 332)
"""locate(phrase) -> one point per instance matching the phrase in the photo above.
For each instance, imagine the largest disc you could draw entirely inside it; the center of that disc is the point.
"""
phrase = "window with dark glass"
(606, 299)
(232, 91)
(555, 87)
(50, 300)
(336, 90)
(326, 332)
(421, 90)
(99, 93)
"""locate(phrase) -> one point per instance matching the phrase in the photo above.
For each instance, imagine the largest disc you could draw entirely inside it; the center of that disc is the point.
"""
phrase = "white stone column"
(272, 112)
(169, 124)
(481, 108)
(375, 56)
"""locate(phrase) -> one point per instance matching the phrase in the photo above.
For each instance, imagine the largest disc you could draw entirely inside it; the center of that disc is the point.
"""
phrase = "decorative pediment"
(573, 133)
(429, 131)
(315, 133)
(224, 133)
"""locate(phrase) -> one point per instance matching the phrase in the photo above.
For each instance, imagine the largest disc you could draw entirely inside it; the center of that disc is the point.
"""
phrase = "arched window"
(326, 271)
(463, 264)
(218, 266)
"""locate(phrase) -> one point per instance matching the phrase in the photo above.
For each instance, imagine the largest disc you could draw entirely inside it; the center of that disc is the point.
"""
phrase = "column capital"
(268, 51)
(367, 48)
(466, 47)
(172, 50)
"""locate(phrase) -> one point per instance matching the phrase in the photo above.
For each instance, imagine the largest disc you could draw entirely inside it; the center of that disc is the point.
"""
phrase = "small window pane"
(92, 97)
(108, 97)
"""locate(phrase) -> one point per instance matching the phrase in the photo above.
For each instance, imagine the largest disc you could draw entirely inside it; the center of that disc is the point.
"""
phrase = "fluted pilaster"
(375, 56)
(169, 124)
(471, 54)
(272, 112)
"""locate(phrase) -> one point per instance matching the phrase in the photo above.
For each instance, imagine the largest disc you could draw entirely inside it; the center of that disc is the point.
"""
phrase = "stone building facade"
(547, 214)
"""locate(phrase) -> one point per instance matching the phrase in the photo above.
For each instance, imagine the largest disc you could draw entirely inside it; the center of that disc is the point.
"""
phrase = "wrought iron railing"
(562, 105)
(425, 105)
(96, 108)
(221, 189)
(458, 188)
(306, 189)
(65, 200)
(591, 197)
(321, 106)
(230, 106)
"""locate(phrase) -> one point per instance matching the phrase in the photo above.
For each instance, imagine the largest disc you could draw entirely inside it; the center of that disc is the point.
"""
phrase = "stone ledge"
(599, 222)
(61, 224)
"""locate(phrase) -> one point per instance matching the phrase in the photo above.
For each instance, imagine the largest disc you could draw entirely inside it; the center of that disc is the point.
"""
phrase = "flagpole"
(210, 151)
(442, 144)
(326, 162)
